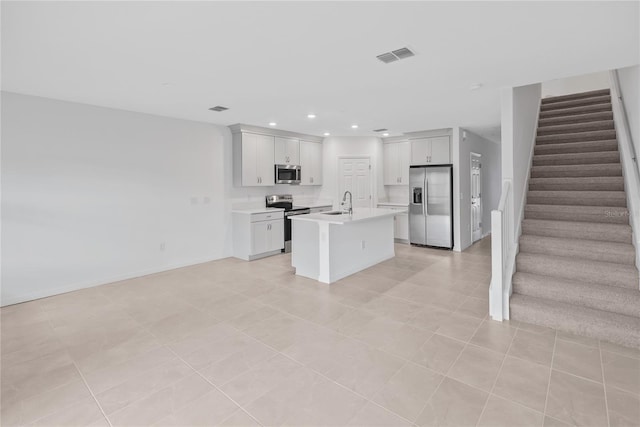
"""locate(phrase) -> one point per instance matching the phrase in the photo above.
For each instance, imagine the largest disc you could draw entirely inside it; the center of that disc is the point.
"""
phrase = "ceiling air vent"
(218, 108)
(395, 55)
(387, 57)
(380, 130)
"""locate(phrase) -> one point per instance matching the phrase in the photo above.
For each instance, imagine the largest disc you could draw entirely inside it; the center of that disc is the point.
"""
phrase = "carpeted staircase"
(575, 270)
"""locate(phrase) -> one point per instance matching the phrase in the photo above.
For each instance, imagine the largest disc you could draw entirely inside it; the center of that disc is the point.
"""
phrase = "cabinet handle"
(257, 180)
(311, 180)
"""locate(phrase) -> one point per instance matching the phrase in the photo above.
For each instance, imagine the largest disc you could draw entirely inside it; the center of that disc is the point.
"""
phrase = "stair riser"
(597, 135)
(571, 201)
(572, 96)
(576, 147)
(578, 272)
(577, 296)
(581, 252)
(580, 118)
(597, 158)
(612, 218)
(612, 169)
(566, 112)
(629, 338)
(587, 234)
(573, 128)
(576, 103)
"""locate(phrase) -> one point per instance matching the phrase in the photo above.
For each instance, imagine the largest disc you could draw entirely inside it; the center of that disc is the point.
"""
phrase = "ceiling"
(279, 61)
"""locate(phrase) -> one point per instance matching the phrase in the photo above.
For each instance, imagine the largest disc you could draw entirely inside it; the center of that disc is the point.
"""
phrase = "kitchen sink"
(332, 213)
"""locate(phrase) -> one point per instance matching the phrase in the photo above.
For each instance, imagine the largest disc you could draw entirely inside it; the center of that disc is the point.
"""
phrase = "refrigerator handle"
(425, 197)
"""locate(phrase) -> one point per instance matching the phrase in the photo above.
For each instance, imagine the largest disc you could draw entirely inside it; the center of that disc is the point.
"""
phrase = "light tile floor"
(407, 342)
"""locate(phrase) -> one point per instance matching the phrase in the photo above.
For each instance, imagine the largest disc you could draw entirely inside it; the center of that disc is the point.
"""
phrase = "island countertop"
(359, 214)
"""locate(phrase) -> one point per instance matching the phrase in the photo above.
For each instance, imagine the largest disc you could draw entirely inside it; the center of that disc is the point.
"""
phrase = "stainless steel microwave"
(288, 174)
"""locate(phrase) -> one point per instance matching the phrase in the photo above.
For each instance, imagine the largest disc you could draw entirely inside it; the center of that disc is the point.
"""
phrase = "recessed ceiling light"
(354, 126)
(272, 123)
(385, 134)
(327, 134)
(311, 116)
(475, 86)
(218, 108)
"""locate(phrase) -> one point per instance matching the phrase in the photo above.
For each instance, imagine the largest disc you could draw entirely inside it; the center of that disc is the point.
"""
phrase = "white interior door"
(355, 176)
(476, 197)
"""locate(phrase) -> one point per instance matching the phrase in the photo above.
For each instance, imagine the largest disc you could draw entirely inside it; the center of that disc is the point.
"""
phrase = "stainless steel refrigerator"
(431, 206)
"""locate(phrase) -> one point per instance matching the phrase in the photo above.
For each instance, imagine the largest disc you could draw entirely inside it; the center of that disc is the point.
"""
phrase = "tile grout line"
(92, 394)
(553, 355)
(604, 385)
(84, 381)
(215, 387)
(495, 381)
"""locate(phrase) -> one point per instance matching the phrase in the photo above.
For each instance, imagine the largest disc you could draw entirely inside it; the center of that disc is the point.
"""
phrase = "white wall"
(89, 194)
(576, 84)
(336, 147)
(491, 186)
(520, 107)
(629, 79)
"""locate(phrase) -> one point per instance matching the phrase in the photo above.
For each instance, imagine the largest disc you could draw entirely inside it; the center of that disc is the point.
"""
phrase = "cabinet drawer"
(266, 216)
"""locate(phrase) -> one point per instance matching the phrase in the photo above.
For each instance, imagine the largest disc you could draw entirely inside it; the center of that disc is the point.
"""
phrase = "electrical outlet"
(194, 200)
(207, 200)
(362, 244)
(162, 246)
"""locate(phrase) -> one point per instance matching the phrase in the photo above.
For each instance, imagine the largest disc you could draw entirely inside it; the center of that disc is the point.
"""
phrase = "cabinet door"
(311, 163)
(404, 155)
(316, 179)
(264, 160)
(420, 151)
(260, 236)
(402, 226)
(287, 151)
(440, 150)
(276, 235)
(250, 160)
(390, 164)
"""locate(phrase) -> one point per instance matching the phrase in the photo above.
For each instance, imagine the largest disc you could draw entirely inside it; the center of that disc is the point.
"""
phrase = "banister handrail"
(504, 195)
(625, 123)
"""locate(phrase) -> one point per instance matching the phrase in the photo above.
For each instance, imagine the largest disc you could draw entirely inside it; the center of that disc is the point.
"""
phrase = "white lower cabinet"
(257, 234)
(400, 222)
(401, 230)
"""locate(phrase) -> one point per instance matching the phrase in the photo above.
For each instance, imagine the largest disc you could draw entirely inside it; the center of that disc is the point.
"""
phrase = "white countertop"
(402, 205)
(250, 211)
(359, 214)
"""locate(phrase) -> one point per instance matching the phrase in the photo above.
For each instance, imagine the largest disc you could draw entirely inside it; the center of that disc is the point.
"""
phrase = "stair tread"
(602, 297)
(575, 102)
(578, 136)
(578, 147)
(584, 243)
(597, 231)
(577, 179)
(575, 127)
(578, 95)
(585, 249)
(607, 273)
(599, 324)
(576, 118)
(600, 226)
(574, 111)
(591, 169)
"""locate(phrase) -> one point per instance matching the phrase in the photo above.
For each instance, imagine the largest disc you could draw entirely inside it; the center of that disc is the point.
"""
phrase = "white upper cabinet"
(287, 151)
(396, 163)
(257, 160)
(311, 163)
(425, 151)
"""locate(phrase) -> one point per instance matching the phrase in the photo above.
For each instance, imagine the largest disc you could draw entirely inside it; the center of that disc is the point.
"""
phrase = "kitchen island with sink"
(328, 246)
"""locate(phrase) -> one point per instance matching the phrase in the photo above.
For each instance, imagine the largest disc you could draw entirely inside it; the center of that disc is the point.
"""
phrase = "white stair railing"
(501, 249)
(628, 159)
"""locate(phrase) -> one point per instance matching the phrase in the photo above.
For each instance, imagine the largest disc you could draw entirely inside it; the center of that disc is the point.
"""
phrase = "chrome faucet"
(344, 200)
